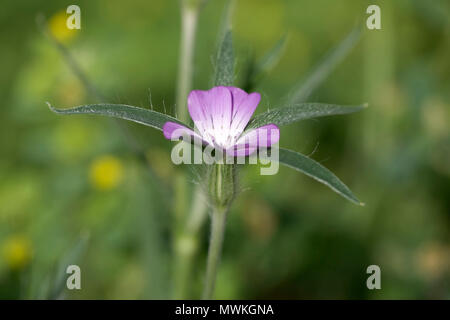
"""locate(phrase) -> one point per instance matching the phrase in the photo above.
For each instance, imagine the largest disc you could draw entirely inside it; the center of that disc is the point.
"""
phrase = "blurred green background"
(72, 190)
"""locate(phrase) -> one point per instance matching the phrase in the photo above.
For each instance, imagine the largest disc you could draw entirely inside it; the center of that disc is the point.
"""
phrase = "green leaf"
(287, 115)
(271, 58)
(255, 71)
(316, 171)
(143, 116)
(304, 89)
(225, 20)
(224, 75)
(73, 257)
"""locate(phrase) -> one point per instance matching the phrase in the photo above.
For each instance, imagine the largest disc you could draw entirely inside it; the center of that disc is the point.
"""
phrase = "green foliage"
(72, 257)
(262, 67)
(304, 88)
(316, 171)
(271, 58)
(146, 117)
(256, 70)
(224, 73)
(309, 243)
(287, 115)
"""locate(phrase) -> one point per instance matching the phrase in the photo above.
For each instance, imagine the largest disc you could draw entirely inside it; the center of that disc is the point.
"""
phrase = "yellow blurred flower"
(16, 251)
(58, 27)
(435, 115)
(259, 219)
(106, 172)
(71, 92)
(433, 260)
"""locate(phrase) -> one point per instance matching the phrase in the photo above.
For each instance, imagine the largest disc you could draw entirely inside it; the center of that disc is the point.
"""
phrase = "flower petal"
(211, 111)
(244, 105)
(175, 131)
(238, 96)
(242, 150)
(262, 137)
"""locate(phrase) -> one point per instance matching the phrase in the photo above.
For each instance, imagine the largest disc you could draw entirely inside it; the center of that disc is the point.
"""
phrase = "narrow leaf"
(316, 171)
(304, 89)
(256, 70)
(224, 75)
(143, 116)
(74, 255)
(271, 58)
(225, 21)
(287, 115)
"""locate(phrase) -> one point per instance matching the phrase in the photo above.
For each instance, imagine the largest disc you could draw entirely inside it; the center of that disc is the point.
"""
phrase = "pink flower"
(220, 116)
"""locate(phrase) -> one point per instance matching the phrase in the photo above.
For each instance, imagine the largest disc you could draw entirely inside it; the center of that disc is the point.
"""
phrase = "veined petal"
(244, 105)
(242, 150)
(197, 110)
(175, 131)
(221, 104)
(211, 112)
(262, 137)
(238, 96)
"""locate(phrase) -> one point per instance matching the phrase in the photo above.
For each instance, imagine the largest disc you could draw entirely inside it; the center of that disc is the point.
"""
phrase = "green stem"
(188, 243)
(222, 186)
(76, 69)
(218, 221)
(189, 18)
(69, 59)
(185, 239)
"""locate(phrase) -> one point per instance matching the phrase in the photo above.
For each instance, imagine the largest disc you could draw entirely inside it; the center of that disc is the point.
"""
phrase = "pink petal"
(174, 131)
(244, 106)
(241, 150)
(210, 110)
(262, 137)
(238, 96)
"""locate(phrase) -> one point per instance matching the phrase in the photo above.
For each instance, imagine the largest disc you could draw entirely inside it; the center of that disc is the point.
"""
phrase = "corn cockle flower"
(220, 116)
(222, 124)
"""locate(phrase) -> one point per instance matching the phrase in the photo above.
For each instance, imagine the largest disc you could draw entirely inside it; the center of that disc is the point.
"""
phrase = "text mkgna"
(229, 309)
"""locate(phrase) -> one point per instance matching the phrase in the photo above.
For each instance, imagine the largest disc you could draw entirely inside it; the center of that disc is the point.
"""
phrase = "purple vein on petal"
(244, 112)
(221, 115)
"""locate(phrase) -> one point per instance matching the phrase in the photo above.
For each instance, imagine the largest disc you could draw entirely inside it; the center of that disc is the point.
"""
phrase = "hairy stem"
(218, 221)
(222, 186)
